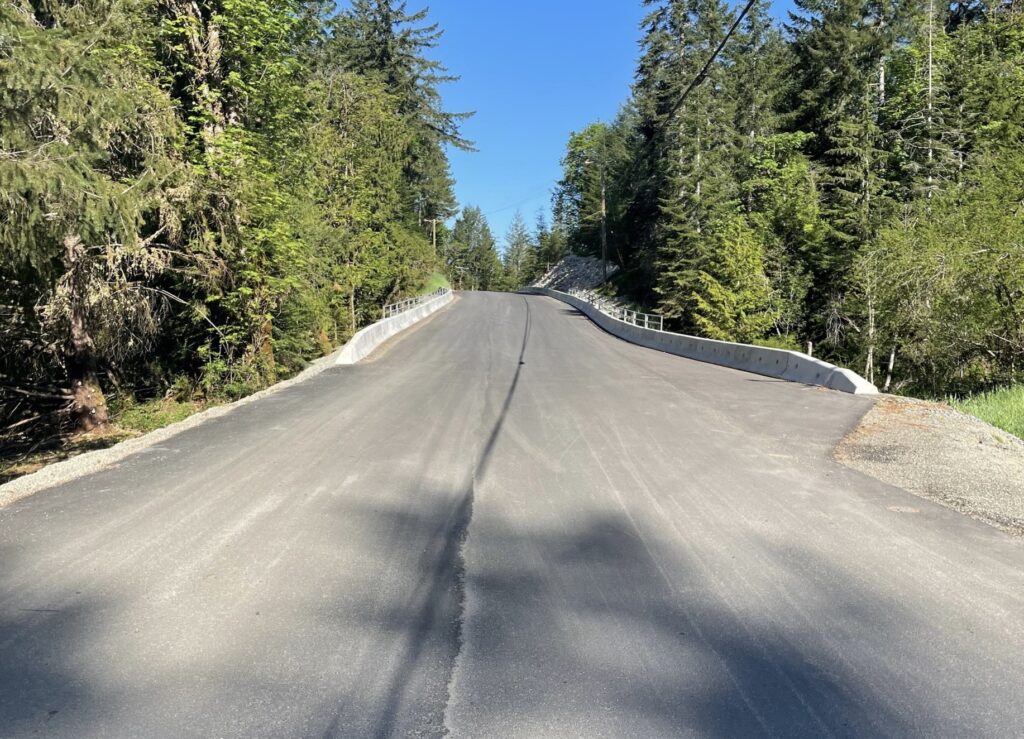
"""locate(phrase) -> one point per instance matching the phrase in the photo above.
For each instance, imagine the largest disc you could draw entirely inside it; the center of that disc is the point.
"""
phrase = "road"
(507, 523)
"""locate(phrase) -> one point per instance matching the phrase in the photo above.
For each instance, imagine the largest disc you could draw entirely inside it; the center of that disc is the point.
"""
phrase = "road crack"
(466, 511)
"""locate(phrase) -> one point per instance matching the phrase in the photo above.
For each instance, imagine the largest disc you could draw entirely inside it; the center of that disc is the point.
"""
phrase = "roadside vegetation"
(435, 281)
(1003, 408)
(852, 177)
(200, 198)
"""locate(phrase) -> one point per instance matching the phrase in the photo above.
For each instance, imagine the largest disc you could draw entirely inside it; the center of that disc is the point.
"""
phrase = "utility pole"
(433, 231)
(604, 219)
(604, 229)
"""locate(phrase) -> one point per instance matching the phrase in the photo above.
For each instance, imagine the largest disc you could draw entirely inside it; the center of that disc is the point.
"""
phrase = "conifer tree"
(519, 253)
(382, 40)
(472, 255)
(86, 180)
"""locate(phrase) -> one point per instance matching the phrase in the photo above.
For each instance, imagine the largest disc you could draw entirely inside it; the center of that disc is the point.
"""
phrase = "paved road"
(507, 523)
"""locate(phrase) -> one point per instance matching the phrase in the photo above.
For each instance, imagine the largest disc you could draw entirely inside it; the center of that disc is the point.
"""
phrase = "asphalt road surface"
(507, 524)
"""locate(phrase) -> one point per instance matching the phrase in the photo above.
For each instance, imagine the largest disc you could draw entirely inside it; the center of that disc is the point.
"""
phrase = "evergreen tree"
(804, 184)
(590, 198)
(472, 255)
(842, 49)
(518, 257)
(552, 244)
(87, 181)
(199, 197)
(708, 246)
(380, 39)
(922, 112)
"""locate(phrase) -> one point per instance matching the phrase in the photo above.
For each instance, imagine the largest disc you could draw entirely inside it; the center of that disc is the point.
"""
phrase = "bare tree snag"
(88, 404)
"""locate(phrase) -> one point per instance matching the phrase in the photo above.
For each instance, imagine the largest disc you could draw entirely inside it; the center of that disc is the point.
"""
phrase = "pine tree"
(842, 52)
(518, 256)
(381, 40)
(921, 111)
(702, 194)
(86, 180)
(238, 83)
(658, 84)
(589, 199)
(472, 255)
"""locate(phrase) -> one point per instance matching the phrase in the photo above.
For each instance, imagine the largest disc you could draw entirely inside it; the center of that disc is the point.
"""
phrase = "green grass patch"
(128, 418)
(1003, 408)
(435, 281)
(153, 414)
(780, 342)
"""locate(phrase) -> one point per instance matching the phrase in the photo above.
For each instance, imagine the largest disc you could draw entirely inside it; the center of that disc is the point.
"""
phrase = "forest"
(200, 197)
(849, 181)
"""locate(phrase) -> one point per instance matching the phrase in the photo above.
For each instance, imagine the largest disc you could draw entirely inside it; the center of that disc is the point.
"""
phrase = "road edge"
(926, 430)
(783, 364)
(86, 463)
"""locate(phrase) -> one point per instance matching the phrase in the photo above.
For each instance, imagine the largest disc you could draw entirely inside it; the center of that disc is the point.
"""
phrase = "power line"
(707, 65)
(530, 198)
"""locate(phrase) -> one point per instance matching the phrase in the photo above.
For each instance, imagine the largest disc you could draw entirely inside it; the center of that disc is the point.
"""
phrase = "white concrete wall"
(369, 338)
(781, 363)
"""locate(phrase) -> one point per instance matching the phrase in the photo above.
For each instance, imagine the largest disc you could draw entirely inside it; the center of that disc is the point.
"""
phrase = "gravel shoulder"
(941, 454)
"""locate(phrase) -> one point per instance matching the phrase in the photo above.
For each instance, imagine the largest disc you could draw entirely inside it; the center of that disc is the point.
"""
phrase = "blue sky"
(534, 71)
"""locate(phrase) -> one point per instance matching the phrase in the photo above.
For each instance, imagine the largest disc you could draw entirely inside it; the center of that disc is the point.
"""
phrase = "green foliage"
(435, 281)
(723, 291)
(153, 414)
(470, 255)
(1003, 408)
(855, 183)
(520, 255)
(217, 190)
(382, 42)
(783, 341)
(948, 281)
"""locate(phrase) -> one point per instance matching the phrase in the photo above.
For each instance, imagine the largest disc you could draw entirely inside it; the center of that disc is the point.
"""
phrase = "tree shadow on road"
(590, 623)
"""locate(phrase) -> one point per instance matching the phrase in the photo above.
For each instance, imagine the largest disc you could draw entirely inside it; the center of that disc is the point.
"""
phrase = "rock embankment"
(572, 271)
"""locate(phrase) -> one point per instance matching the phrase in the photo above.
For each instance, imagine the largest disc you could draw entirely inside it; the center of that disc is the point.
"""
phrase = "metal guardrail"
(393, 309)
(636, 318)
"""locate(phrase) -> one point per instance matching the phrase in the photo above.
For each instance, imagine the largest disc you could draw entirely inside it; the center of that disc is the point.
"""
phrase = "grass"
(435, 281)
(153, 414)
(127, 419)
(1003, 408)
(780, 342)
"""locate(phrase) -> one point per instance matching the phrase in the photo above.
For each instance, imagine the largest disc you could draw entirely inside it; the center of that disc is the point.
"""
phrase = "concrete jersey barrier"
(367, 339)
(781, 363)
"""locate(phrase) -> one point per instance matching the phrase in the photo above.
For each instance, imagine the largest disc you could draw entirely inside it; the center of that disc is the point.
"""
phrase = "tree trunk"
(931, 140)
(88, 405)
(869, 365)
(888, 372)
(352, 309)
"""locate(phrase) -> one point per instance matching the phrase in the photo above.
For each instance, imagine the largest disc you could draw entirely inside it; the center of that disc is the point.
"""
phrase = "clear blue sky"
(534, 71)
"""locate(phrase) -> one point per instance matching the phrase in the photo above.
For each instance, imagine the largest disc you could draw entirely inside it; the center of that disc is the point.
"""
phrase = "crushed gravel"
(942, 454)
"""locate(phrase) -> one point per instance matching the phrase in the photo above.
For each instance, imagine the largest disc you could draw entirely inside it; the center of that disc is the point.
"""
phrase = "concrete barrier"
(781, 363)
(367, 339)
